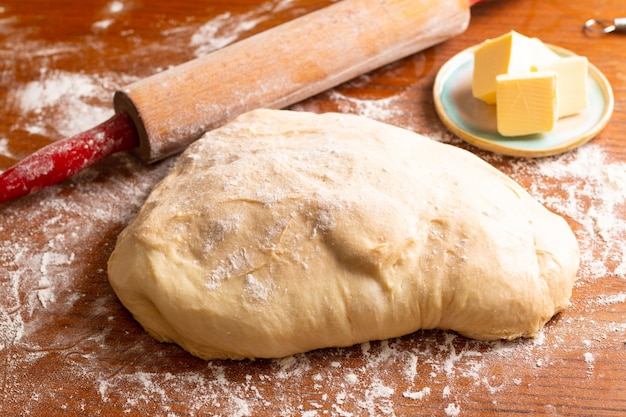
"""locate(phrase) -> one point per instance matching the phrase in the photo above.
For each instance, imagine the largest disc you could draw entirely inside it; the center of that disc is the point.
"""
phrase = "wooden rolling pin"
(161, 115)
(282, 66)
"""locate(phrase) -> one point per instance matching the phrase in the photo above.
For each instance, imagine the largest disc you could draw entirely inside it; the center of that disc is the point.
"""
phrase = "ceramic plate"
(475, 121)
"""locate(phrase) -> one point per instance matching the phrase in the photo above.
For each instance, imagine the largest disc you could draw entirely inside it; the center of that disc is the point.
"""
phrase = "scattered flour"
(453, 410)
(116, 6)
(604, 300)
(85, 97)
(4, 149)
(221, 31)
(602, 228)
(226, 28)
(102, 24)
(419, 395)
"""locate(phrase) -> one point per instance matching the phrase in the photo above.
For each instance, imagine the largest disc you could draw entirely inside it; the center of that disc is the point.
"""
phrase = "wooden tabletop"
(68, 347)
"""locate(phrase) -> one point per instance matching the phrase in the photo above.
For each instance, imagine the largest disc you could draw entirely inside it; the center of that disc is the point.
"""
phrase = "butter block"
(510, 53)
(527, 103)
(571, 83)
(541, 55)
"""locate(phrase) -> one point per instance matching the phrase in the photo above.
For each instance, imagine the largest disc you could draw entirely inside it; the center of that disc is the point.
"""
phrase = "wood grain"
(67, 347)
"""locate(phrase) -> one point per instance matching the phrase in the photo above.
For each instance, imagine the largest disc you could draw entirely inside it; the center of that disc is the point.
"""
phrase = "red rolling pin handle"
(62, 159)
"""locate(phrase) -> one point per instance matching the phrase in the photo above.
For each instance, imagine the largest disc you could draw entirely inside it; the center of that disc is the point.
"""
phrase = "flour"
(226, 28)
(452, 410)
(590, 177)
(85, 97)
(4, 149)
(255, 290)
(612, 299)
(116, 6)
(221, 31)
(419, 395)
(102, 24)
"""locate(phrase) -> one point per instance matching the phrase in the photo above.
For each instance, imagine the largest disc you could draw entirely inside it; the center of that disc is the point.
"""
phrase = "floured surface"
(67, 345)
(121, 367)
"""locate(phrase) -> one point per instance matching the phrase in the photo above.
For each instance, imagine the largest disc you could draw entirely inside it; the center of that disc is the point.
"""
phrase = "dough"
(284, 232)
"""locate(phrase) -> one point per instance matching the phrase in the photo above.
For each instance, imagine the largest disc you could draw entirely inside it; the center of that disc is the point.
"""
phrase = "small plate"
(475, 121)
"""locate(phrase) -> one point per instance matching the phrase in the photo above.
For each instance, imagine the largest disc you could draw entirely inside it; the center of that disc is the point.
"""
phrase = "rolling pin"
(161, 115)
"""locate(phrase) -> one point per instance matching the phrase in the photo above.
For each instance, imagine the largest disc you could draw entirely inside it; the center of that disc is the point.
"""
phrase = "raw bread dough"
(284, 232)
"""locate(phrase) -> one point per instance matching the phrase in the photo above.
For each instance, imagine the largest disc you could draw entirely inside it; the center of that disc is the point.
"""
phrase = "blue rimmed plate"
(475, 121)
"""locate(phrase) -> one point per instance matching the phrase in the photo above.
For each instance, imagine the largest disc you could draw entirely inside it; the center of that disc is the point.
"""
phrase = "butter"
(541, 54)
(531, 85)
(571, 83)
(508, 54)
(526, 103)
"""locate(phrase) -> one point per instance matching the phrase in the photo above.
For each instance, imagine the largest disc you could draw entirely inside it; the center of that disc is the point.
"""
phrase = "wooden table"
(67, 346)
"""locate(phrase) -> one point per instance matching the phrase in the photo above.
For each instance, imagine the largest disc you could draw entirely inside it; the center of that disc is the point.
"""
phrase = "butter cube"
(541, 54)
(510, 53)
(571, 83)
(527, 103)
